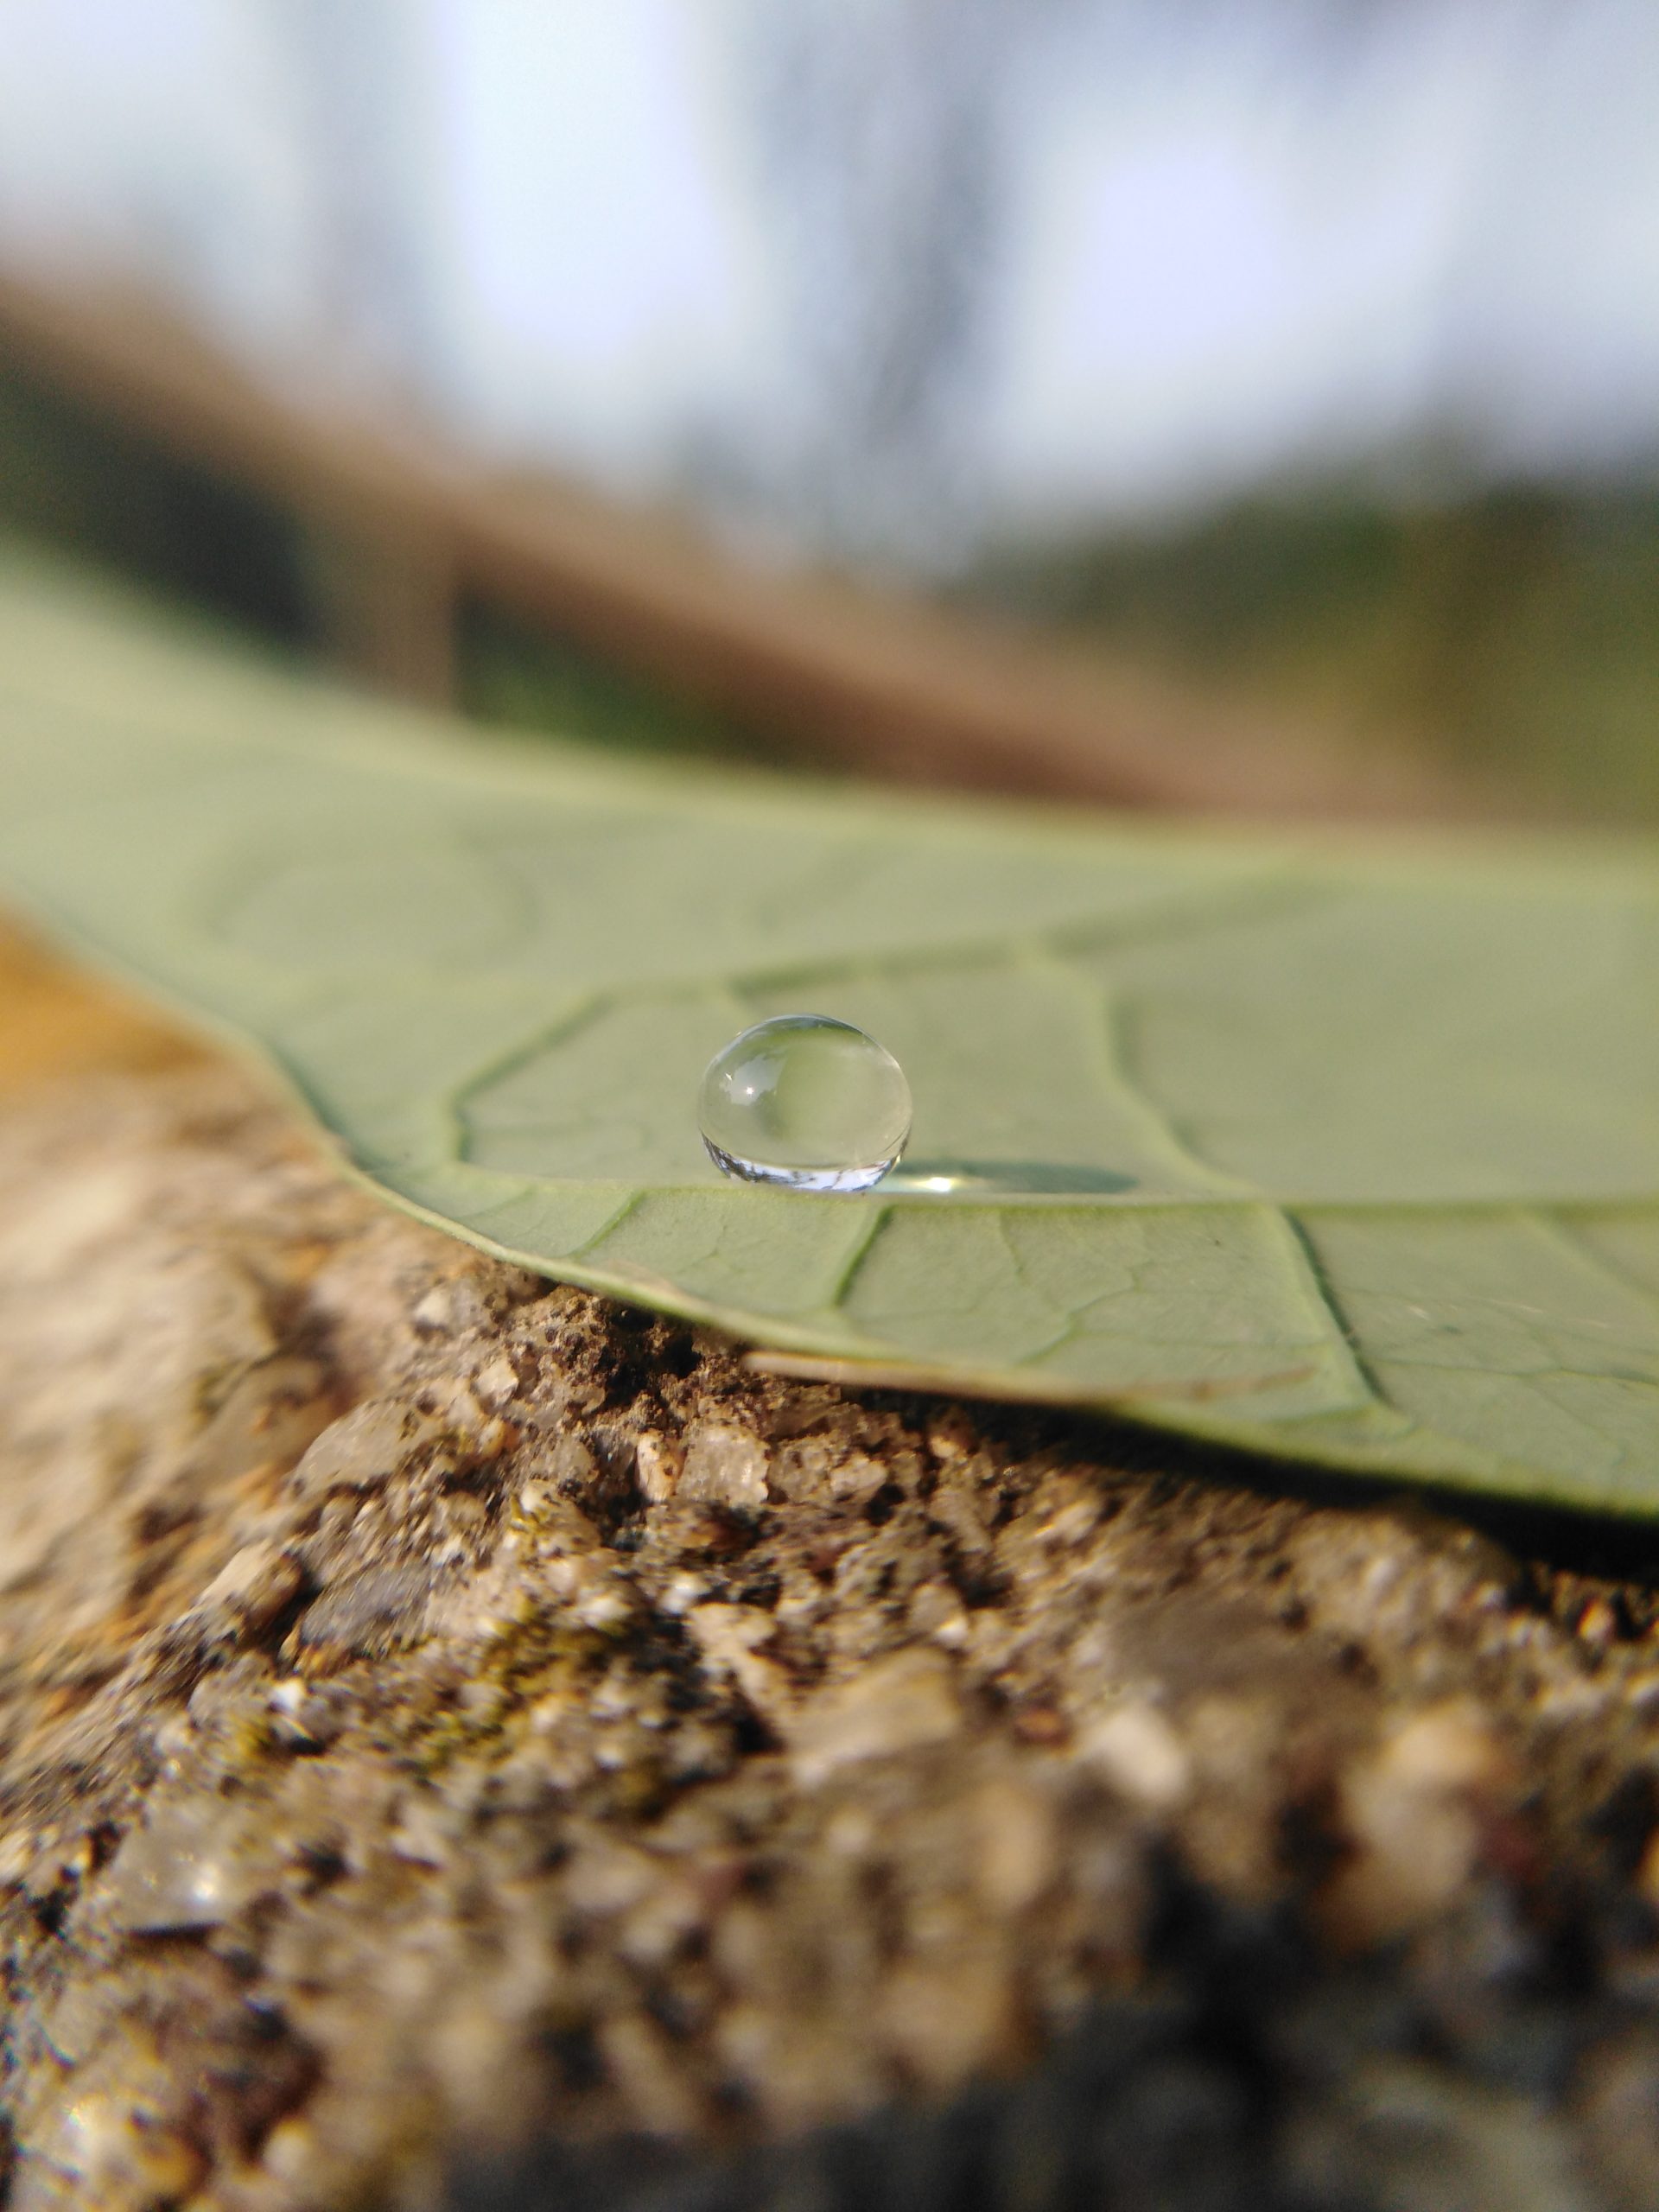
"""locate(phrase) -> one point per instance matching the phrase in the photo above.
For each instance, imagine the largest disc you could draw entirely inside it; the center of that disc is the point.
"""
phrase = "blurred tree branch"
(406, 531)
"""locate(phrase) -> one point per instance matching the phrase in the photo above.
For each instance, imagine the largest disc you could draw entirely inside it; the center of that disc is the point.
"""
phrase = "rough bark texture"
(438, 1708)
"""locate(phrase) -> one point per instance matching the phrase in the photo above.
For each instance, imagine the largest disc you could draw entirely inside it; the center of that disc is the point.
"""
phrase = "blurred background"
(1241, 403)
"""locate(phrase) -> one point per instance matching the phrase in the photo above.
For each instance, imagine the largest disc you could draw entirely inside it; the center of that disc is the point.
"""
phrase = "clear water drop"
(805, 1103)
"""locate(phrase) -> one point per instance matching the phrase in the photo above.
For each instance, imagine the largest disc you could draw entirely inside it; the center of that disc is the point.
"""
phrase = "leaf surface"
(1341, 1148)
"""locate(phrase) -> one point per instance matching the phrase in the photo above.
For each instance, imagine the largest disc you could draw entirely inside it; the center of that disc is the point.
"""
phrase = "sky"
(1211, 247)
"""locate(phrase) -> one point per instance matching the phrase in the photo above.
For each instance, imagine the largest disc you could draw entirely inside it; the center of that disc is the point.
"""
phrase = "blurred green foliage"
(520, 677)
(78, 478)
(1515, 630)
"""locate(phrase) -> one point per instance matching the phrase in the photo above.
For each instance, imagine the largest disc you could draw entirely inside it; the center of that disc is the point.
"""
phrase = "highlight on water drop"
(804, 1104)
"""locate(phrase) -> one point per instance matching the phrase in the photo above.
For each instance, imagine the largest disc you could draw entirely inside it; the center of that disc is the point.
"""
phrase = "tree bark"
(442, 1713)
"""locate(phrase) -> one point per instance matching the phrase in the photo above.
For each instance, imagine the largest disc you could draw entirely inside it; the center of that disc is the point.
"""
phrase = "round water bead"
(806, 1102)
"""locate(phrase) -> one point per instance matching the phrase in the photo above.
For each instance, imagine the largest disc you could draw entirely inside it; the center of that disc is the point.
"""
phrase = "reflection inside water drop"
(804, 1104)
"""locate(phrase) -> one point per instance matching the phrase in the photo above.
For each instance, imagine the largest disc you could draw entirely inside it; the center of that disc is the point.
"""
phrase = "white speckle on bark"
(896, 1704)
(253, 1586)
(725, 1465)
(658, 1463)
(1135, 1750)
(496, 1383)
(364, 1447)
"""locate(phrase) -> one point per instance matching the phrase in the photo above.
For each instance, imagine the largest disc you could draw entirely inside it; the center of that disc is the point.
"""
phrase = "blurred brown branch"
(404, 531)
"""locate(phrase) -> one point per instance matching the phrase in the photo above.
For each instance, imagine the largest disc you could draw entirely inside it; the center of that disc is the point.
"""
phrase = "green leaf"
(1336, 1147)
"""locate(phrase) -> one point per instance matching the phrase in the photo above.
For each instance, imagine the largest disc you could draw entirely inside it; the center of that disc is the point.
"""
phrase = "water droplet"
(806, 1102)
